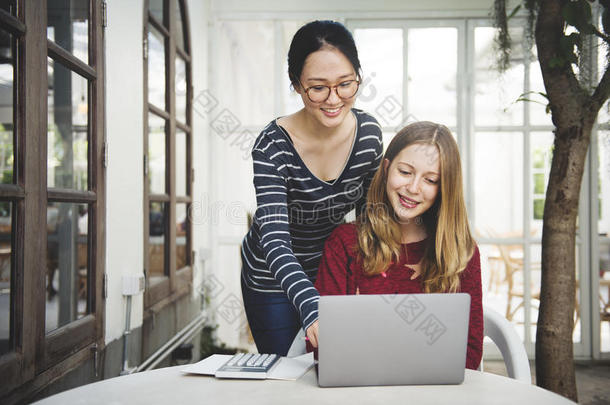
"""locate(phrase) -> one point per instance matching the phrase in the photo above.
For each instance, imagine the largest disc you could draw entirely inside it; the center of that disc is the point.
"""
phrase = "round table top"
(172, 386)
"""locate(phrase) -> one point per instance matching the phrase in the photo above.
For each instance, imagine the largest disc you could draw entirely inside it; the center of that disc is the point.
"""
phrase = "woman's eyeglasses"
(319, 93)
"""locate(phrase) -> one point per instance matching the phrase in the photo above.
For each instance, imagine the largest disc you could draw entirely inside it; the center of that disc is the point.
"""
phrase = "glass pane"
(380, 52)
(604, 293)
(182, 227)
(496, 95)
(501, 278)
(432, 67)
(245, 62)
(180, 36)
(7, 71)
(603, 238)
(387, 138)
(181, 90)
(68, 26)
(5, 277)
(535, 271)
(156, 9)
(156, 68)
(9, 6)
(156, 154)
(537, 103)
(67, 273)
(68, 128)
(291, 100)
(541, 149)
(603, 182)
(156, 241)
(498, 183)
(602, 63)
(181, 163)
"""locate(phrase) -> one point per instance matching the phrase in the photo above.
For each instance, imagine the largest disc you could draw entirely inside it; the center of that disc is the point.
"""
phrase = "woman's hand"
(312, 334)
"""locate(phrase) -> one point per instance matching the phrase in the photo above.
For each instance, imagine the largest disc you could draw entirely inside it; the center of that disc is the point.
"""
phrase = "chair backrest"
(298, 345)
(502, 333)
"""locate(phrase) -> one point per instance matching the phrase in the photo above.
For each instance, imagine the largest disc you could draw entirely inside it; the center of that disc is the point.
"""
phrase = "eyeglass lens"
(344, 90)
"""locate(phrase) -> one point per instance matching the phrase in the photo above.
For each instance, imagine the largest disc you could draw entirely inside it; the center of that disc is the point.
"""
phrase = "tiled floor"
(592, 380)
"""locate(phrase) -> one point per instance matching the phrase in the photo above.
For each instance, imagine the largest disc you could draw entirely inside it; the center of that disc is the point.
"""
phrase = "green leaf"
(512, 13)
(524, 97)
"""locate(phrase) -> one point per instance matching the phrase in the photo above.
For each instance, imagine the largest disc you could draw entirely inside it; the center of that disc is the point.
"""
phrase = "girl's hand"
(312, 334)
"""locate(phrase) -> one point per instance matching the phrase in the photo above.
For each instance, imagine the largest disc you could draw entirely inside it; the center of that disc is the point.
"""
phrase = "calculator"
(248, 365)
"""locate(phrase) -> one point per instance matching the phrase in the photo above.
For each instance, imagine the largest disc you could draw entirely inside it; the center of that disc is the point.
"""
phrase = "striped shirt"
(296, 212)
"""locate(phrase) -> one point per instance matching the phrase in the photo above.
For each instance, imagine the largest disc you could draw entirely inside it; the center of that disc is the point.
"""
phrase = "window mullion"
(170, 244)
(158, 25)
(189, 133)
(33, 132)
(146, 203)
(11, 24)
(73, 63)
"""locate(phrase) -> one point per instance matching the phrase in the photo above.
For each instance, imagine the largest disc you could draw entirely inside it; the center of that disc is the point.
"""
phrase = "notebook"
(399, 339)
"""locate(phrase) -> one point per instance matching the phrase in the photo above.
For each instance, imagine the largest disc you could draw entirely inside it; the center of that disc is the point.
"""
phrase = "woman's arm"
(470, 282)
(272, 217)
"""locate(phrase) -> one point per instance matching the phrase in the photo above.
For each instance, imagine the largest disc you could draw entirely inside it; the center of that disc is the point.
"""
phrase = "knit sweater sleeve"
(272, 217)
(470, 282)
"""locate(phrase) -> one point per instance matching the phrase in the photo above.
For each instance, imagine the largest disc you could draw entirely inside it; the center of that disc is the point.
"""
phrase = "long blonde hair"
(449, 244)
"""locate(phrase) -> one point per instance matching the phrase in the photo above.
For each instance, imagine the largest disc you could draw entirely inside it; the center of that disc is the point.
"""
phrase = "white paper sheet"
(286, 369)
(207, 366)
(291, 368)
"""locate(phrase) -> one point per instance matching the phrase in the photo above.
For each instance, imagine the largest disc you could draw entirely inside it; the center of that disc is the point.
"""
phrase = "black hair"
(315, 35)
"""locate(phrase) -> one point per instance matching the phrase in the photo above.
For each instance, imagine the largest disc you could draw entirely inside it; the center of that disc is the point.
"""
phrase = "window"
(51, 189)
(167, 149)
(600, 188)
(541, 169)
(421, 68)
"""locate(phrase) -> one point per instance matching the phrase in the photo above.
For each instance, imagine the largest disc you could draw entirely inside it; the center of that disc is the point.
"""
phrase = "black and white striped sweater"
(296, 212)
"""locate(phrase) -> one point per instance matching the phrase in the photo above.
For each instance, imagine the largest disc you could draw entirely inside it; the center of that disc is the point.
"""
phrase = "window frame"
(176, 283)
(39, 357)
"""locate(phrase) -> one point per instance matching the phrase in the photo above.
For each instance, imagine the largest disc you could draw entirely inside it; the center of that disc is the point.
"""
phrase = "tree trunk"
(573, 113)
(554, 348)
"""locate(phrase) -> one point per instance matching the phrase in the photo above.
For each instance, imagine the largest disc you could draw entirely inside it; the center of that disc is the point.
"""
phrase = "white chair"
(502, 333)
(499, 330)
(297, 347)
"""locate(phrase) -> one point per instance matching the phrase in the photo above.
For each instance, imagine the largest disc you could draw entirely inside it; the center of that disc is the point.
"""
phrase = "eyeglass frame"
(330, 89)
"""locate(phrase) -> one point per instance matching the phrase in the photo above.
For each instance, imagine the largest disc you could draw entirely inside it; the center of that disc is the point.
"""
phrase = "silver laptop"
(399, 339)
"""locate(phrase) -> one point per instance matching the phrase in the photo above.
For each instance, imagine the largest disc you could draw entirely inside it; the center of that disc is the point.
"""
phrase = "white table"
(170, 386)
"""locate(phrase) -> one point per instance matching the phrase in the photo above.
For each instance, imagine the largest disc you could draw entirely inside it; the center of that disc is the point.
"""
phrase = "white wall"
(124, 175)
(202, 155)
(124, 127)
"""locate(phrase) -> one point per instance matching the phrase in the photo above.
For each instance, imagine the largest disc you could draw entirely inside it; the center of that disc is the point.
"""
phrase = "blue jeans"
(273, 320)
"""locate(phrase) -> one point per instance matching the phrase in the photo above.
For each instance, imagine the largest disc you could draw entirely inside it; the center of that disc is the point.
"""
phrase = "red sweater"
(340, 273)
